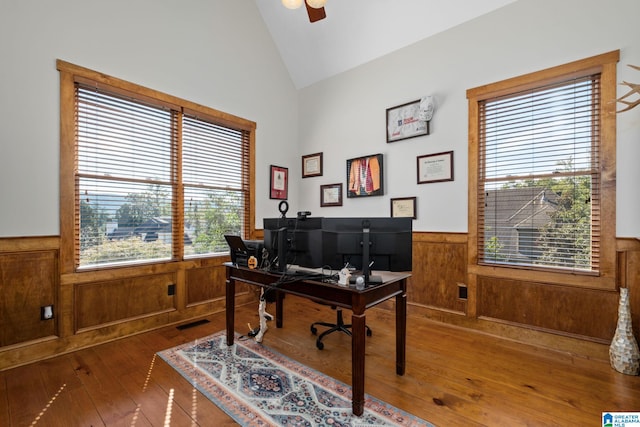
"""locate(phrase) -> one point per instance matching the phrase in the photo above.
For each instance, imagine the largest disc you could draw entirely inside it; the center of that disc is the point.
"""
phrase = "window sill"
(572, 279)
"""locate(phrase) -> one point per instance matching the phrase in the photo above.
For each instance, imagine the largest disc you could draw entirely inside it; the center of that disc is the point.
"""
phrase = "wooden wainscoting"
(576, 319)
(28, 281)
(585, 313)
(97, 306)
(439, 270)
(205, 283)
(629, 276)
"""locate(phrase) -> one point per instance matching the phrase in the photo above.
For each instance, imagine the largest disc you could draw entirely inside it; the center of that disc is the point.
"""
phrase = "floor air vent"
(192, 324)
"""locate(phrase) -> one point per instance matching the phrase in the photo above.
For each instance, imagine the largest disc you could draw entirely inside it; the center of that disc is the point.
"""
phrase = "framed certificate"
(312, 165)
(435, 167)
(403, 207)
(331, 195)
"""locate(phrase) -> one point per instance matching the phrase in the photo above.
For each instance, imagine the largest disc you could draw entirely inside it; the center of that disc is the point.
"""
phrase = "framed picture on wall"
(404, 121)
(436, 167)
(365, 176)
(312, 165)
(331, 195)
(403, 207)
(278, 182)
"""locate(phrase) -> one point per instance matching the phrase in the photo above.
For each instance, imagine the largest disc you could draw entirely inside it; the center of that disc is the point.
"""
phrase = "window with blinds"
(539, 177)
(153, 183)
(216, 184)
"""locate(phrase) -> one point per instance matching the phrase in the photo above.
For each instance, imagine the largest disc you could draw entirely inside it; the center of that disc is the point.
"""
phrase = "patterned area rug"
(258, 386)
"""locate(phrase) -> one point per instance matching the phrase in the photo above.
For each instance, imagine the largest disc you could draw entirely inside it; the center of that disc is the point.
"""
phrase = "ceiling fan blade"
(315, 14)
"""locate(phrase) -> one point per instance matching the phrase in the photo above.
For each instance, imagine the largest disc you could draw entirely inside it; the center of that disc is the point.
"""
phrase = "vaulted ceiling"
(358, 31)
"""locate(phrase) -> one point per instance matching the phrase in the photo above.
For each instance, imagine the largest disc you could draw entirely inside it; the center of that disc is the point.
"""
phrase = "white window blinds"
(538, 188)
(153, 183)
(125, 181)
(216, 183)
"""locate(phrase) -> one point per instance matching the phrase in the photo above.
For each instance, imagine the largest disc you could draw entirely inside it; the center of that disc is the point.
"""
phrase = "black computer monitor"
(293, 241)
(378, 243)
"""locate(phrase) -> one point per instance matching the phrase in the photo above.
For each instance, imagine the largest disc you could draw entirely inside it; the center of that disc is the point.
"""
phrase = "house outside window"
(514, 222)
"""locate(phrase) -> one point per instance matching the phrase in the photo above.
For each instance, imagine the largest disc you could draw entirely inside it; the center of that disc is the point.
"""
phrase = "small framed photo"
(435, 167)
(278, 183)
(404, 121)
(331, 195)
(403, 207)
(365, 176)
(312, 165)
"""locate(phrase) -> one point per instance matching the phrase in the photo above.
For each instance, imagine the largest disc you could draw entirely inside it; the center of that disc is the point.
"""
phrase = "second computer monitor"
(379, 243)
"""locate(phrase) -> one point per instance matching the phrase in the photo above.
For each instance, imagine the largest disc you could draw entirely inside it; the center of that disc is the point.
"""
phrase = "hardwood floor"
(454, 377)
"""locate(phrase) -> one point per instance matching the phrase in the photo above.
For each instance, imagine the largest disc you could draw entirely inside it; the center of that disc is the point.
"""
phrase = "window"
(541, 148)
(539, 176)
(215, 178)
(154, 178)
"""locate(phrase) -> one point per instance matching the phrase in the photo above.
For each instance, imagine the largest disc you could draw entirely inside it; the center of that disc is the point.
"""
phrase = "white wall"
(216, 53)
(344, 116)
(227, 61)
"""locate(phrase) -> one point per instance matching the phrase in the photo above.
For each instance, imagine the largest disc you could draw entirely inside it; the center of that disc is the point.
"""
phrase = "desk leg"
(279, 308)
(230, 308)
(358, 323)
(401, 332)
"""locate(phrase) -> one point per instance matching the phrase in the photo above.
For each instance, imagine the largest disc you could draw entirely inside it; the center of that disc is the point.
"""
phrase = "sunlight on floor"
(194, 407)
(167, 415)
(146, 381)
(35, 421)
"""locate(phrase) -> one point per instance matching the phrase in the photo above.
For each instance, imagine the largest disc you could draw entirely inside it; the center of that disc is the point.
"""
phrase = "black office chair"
(333, 327)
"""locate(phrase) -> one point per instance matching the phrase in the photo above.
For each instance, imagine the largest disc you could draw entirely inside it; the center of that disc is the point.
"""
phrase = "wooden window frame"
(605, 65)
(71, 74)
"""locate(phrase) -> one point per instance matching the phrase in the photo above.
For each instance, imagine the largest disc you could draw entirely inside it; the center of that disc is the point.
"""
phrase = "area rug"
(257, 386)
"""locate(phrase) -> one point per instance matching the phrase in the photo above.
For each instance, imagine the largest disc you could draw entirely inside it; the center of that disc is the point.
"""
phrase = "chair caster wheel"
(320, 345)
(314, 331)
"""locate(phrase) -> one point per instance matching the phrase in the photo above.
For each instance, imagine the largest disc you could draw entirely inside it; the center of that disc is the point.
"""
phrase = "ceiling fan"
(315, 8)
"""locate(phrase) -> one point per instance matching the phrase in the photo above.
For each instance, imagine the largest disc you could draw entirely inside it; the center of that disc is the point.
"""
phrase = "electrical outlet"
(46, 312)
(462, 291)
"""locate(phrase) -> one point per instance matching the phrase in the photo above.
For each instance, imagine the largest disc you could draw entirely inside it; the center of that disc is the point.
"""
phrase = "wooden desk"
(394, 285)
